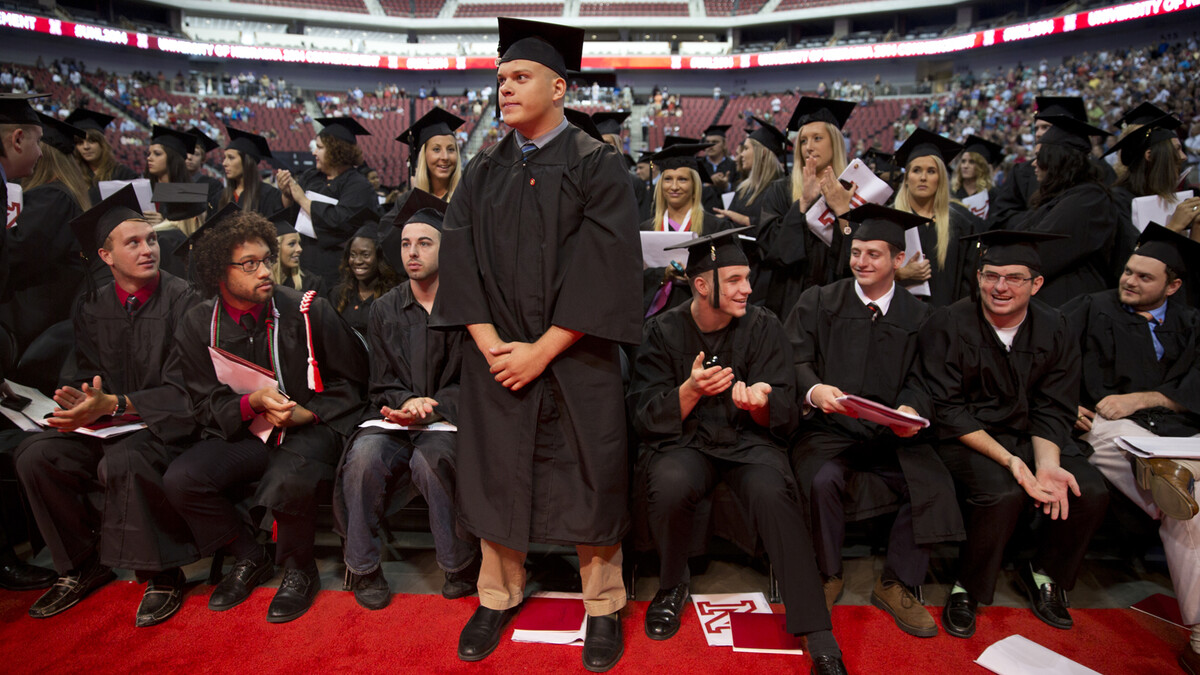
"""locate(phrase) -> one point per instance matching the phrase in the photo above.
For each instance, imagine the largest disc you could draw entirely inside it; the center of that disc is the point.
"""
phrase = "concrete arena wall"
(23, 47)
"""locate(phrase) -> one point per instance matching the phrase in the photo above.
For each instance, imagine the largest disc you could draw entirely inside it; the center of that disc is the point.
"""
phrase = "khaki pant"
(502, 577)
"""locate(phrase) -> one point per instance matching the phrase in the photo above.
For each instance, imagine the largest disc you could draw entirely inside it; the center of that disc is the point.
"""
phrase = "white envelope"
(1016, 655)
(912, 248)
(304, 223)
(653, 244)
(870, 188)
(392, 426)
(978, 204)
(16, 203)
(1153, 208)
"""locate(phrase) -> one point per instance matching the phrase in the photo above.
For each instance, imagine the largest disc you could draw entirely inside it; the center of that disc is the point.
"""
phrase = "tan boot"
(1170, 484)
(833, 590)
(910, 615)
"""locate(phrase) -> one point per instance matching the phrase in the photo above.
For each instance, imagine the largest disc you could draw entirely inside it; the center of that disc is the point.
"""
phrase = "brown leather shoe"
(1189, 661)
(833, 590)
(910, 615)
(1170, 484)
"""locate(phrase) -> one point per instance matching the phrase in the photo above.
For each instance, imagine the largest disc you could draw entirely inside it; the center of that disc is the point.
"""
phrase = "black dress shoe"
(665, 612)
(20, 576)
(69, 590)
(462, 583)
(481, 635)
(295, 595)
(235, 587)
(603, 643)
(958, 617)
(163, 597)
(371, 590)
(1047, 600)
(828, 665)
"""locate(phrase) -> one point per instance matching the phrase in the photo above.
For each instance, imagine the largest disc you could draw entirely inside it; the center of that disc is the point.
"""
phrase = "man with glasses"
(1003, 373)
(276, 381)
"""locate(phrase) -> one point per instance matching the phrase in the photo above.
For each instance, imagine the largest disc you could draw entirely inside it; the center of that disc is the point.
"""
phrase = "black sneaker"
(371, 590)
(462, 583)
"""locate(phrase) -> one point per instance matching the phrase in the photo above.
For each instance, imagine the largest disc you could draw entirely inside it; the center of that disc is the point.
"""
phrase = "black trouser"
(908, 561)
(994, 504)
(89, 494)
(676, 483)
(198, 484)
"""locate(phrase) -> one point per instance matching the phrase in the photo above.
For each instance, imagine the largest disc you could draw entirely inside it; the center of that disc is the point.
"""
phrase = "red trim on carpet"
(419, 633)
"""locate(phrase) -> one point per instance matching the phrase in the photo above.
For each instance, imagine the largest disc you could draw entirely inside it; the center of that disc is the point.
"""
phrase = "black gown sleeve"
(342, 358)
(1054, 399)
(653, 398)
(391, 380)
(801, 329)
(353, 194)
(942, 377)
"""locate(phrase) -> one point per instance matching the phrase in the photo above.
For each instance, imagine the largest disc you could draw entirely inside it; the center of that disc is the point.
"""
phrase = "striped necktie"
(875, 311)
(132, 303)
(528, 149)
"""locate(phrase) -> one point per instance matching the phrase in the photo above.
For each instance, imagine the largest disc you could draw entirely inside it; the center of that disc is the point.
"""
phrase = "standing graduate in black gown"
(123, 335)
(166, 161)
(760, 153)
(334, 176)
(975, 172)
(713, 398)
(317, 369)
(244, 185)
(718, 165)
(541, 263)
(859, 336)
(946, 263)
(793, 255)
(195, 166)
(1003, 373)
(46, 273)
(1071, 200)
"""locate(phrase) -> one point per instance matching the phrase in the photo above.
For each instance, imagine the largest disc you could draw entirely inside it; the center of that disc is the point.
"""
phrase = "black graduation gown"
(727, 166)
(169, 239)
(956, 278)
(46, 270)
(645, 197)
(356, 312)
(215, 187)
(551, 241)
(1083, 262)
(835, 342)
(1119, 358)
(331, 222)
(311, 282)
(755, 347)
(269, 201)
(1011, 198)
(752, 211)
(652, 277)
(1032, 390)
(341, 358)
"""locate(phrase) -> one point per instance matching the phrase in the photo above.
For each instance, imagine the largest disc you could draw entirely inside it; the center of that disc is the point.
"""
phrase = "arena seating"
(732, 7)
(695, 114)
(786, 5)
(350, 6)
(420, 9)
(633, 9)
(480, 9)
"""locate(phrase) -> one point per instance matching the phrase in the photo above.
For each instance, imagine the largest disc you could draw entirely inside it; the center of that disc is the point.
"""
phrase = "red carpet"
(419, 634)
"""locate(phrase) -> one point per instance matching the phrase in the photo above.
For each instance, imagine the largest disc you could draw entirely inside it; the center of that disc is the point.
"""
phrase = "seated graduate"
(794, 255)
(1003, 373)
(123, 335)
(760, 154)
(244, 185)
(195, 165)
(1071, 200)
(713, 399)
(183, 207)
(305, 381)
(945, 263)
(166, 161)
(859, 336)
(976, 169)
(93, 153)
(678, 207)
(364, 275)
(287, 270)
(414, 381)
(1141, 377)
(434, 159)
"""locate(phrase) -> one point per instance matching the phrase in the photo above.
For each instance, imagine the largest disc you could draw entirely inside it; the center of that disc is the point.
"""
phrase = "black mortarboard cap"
(60, 135)
(1008, 247)
(418, 206)
(1172, 248)
(94, 225)
(583, 121)
(182, 200)
(283, 220)
(670, 140)
(812, 109)
(609, 122)
(882, 223)
(251, 145)
(1070, 106)
(645, 158)
(712, 251)
(771, 138)
(679, 156)
(1070, 132)
(558, 47)
(180, 142)
(436, 122)
(366, 221)
(85, 119)
(881, 161)
(1134, 144)
(341, 128)
(716, 130)
(185, 247)
(1141, 114)
(203, 139)
(992, 152)
(15, 109)
(923, 143)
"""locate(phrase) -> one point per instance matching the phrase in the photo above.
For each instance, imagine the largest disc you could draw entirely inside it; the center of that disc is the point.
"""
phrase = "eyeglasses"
(1014, 280)
(251, 266)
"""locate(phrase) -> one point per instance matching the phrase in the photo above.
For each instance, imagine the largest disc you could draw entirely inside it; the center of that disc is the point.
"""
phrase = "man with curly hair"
(286, 434)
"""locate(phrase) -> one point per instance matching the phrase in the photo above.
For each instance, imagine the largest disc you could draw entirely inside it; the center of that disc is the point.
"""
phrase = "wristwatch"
(120, 407)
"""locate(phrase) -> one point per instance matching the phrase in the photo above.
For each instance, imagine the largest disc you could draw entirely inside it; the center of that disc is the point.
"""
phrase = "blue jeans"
(367, 478)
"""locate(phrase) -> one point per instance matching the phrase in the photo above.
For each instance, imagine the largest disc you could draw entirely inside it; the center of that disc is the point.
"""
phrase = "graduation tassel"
(314, 373)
